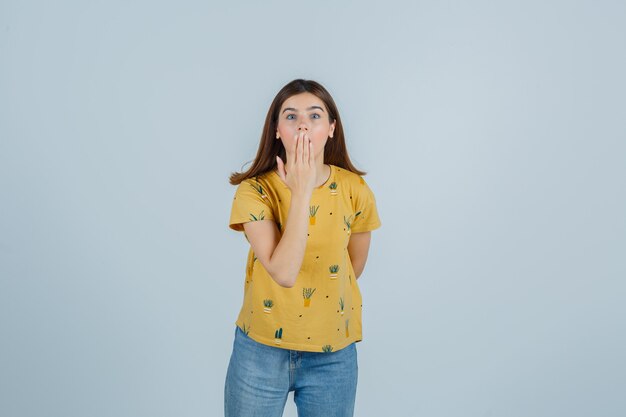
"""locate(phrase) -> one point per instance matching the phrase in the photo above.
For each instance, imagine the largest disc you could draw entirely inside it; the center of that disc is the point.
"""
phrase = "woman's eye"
(314, 114)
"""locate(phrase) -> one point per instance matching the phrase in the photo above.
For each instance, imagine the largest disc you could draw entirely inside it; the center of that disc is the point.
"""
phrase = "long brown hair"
(335, 151)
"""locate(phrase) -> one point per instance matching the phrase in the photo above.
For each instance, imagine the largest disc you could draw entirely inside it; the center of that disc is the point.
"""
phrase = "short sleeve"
(366, 213)
(250, 203)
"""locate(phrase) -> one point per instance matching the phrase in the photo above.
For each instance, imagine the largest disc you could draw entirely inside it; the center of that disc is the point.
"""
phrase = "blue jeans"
(260, 377)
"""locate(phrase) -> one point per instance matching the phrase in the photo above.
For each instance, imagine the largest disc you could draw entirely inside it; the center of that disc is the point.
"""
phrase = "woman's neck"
(323, 174)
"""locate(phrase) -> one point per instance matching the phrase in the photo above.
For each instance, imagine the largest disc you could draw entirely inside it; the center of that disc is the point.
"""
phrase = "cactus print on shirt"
(322, 311)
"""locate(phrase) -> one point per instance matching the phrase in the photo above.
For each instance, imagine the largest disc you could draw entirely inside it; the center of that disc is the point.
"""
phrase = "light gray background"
(494, 140)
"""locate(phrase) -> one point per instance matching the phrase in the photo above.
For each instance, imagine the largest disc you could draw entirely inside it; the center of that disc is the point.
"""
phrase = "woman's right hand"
(300, 174)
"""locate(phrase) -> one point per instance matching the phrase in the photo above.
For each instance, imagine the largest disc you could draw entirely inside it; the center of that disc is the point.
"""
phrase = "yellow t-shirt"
(322, 311)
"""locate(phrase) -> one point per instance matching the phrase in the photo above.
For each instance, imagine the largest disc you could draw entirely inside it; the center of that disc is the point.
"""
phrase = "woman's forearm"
(286, 261)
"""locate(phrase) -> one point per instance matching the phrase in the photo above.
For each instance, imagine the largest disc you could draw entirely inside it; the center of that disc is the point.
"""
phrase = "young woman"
(307, 213)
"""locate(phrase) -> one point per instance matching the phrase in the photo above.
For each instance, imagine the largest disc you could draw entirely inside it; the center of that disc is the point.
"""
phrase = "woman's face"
(304, 112)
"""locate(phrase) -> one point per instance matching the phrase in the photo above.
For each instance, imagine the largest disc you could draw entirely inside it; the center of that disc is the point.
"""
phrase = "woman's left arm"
(358, 248)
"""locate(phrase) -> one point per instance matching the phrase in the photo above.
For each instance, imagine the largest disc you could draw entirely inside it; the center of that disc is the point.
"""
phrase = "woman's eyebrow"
(310, 108)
